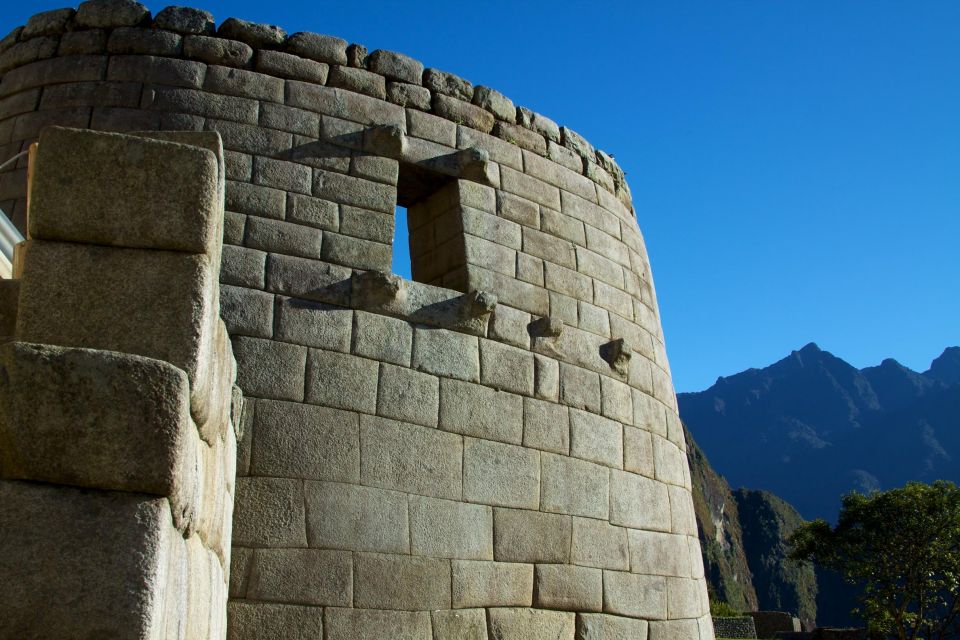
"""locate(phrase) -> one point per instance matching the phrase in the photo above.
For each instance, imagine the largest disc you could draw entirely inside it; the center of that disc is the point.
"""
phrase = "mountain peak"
(946, 367)
(809, 353)
(810, 347)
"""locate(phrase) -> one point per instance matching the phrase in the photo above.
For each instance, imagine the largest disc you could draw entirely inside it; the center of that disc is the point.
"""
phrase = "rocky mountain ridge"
(811, 427)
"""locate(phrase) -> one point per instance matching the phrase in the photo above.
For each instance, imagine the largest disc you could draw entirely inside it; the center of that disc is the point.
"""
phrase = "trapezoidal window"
(430, 202)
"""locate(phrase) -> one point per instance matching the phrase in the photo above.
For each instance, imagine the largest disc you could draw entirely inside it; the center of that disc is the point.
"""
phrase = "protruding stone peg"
(617, 353)
(386, 140)
(480, 303)
(376, 287)
(471, 163)
(546, 327)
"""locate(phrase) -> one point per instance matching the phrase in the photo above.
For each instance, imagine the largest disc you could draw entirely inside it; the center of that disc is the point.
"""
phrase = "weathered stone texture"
(149, 176)
(531, 536)
(107, 541)
(318, 47)
(530, 624)
(561, 586)
(468, 624)
(598, 626)
(370, 519)
(185, 20)
(342, 381)
(411, 458)
(422, 460)
(301, 576)
(302, 441)
(448, 529)
(269, 513)
(68, 414)
(368, 624)
(253, 620)
(401, 582)
(574, 487)
(479, 411)
(492, 584)
(500, 474)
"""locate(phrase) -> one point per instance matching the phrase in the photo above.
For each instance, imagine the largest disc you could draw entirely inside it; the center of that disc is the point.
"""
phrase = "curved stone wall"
(491, 450)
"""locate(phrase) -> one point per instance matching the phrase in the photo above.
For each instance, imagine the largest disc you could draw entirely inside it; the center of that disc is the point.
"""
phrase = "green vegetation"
(903, 547)
(720, 609)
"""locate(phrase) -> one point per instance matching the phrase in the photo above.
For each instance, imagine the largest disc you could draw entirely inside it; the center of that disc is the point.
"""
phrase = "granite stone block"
(411, 458)
(97, 419)
(465, 624)
(507, 368)
(294, 440)
(531, 536)
(321, 48)
(501, 474)
(384, 581)
(601, 626)
(633, 595)
(492, 584)
(372, 624)
(217, 50)
(408, 395)
(382, 338)
(267, 369)
(530, 624)
(568, 587)
(367, 519)
(341, 380)
(254, 620)
(269, 512)
(596, 438)
(638, 502)
(446, 353)
(301, 576)
(596, 543)
(314, 324)
(481, 412)
(246, 312)
(116, 540)
(574, 486)
(395, 66)
(177, 208)
(448, 529)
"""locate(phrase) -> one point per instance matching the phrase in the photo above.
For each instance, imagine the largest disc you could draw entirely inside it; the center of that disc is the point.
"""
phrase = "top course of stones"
(125, 26)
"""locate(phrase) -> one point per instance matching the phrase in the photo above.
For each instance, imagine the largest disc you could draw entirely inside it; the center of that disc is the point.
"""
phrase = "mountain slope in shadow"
(811, 427)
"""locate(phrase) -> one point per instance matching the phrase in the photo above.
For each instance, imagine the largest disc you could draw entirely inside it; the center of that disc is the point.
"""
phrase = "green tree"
(903, 547)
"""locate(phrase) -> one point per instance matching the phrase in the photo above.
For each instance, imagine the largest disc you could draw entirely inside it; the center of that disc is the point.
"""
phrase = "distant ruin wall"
(489, 450)
(117, 452)
(734, 627)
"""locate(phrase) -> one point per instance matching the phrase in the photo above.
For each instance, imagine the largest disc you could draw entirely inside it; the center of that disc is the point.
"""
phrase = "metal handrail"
(14, 159)
(10, 236)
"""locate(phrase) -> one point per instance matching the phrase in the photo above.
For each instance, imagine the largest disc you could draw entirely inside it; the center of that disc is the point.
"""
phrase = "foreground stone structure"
(490, 450)
(117, 451)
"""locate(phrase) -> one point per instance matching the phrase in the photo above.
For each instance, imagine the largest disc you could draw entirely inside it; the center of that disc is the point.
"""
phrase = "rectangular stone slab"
(88, 564)
(159, 304)
(96, 419)
(125, 191)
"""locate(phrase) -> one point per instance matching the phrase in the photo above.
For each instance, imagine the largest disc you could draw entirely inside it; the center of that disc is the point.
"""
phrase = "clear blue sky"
(795, 165)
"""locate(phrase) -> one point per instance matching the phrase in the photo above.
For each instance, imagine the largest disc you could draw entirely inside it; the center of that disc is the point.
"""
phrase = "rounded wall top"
(320, 59)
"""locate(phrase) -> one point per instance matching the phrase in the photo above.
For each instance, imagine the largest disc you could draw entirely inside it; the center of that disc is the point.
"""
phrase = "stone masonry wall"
(490, 451)
(734, 627)
(117, 454)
